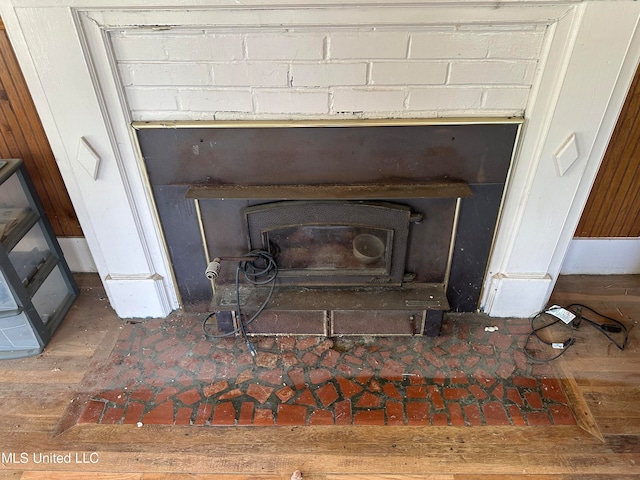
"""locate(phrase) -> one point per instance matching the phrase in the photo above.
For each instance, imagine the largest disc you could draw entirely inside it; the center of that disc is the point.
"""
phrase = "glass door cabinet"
(36, 286)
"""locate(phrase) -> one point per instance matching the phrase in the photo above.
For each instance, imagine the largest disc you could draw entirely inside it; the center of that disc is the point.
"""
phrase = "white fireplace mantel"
(576, 86)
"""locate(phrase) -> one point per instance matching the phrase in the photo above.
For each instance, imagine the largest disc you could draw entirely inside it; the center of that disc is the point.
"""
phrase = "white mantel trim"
(126, 246)
(574, 95)
(590, 111)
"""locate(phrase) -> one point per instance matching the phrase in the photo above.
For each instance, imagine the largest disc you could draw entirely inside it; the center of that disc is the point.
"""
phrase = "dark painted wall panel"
(471, 153)
(476, 225)
(182, 235)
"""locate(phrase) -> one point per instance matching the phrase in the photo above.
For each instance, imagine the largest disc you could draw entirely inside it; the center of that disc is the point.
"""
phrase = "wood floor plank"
(622, 403)
(444, 454)
(388, 477)
(210, 476)
(627, 476)
(11, 475)
(70, 475)
(480, 444)
(331, 438)
(618, 426)
(590, 378)
(53, 375)
(616, 411)
(461, 455)
(32, 406)
(509, 477)
(616, 362)
(284, 463)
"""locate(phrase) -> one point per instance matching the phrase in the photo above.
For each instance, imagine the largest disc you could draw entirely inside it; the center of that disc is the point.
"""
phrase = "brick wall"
(400, 72)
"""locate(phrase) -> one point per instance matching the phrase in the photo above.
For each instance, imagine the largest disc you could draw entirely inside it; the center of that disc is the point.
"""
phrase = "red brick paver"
(164, 372)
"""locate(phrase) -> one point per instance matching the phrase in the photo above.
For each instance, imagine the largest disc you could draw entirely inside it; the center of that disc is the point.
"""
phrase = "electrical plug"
(611, 328)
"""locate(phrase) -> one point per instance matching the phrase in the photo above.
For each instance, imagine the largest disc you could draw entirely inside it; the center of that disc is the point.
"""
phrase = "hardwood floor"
(608, 379)
(40, 398)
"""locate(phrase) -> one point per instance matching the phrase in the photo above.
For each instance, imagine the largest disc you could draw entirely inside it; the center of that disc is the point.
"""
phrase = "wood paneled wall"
(613, 208)
(22, 136)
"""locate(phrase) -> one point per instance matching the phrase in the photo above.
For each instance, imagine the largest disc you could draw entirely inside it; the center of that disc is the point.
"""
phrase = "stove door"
(332, 242)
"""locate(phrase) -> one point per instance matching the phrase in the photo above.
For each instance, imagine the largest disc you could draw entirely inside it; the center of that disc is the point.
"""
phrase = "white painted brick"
(448, 45)
(408, 73)
(515, 45)
(177, 46)
(282, 46)
(368, 100)
(492, 72)
(444, 98)
(209, 47)
(167, 74)
(368, 45)
(152, 98)
(212, 100)
(292, 101)
(263, 74)
(328, 74)
(506, 98)
(160, 116)
(155, 116)
(238, 116)
(506, 27)
(138, 47)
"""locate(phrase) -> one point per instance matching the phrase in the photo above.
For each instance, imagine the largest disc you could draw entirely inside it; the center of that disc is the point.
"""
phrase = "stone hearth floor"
(166, 372)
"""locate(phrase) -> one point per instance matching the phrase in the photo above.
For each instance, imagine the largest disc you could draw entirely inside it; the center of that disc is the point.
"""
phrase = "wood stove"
(377, 228)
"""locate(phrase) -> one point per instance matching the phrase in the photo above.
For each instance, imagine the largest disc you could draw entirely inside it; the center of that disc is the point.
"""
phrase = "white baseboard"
(602, 256)
(76, 253)
(517, 295)
(137, 296)
(131, 296)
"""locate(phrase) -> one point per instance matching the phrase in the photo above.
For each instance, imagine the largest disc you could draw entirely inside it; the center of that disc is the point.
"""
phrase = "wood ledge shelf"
(331, 191)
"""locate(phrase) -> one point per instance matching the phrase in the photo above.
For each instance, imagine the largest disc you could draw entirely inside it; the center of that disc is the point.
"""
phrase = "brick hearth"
(166, 372)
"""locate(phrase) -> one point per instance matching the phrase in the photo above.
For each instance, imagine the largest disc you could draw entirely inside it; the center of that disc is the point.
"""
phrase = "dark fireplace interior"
(375, 228)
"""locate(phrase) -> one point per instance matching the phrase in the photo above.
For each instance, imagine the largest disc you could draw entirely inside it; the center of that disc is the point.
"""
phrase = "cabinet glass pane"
(14, 204)
(51, 295)
(7, 302)
(12, 194)
(16, 332)
(29, 254)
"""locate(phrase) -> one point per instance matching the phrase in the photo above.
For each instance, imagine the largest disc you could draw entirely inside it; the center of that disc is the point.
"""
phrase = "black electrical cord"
(563, 346)
(261, 269)
(577, 309)
(604, 328)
